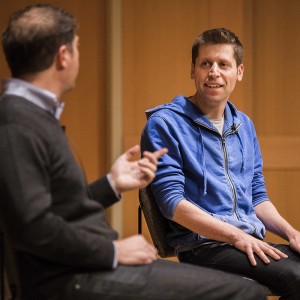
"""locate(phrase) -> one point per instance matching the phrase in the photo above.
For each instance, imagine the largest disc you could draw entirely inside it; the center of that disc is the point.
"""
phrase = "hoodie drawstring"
(203, 165)
(243, 151)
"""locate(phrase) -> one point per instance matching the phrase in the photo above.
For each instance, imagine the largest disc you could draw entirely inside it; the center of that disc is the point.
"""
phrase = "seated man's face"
(215, 73)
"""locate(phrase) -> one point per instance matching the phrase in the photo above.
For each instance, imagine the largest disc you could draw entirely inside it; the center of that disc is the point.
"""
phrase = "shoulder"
(15, 110)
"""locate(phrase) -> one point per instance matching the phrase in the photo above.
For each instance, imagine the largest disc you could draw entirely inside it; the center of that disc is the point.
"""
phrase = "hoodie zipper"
(227, 174)
(226, 163)
(234, 130)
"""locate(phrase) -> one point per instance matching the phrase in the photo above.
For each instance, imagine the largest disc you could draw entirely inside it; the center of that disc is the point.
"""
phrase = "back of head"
(33, 36)
(218, 36)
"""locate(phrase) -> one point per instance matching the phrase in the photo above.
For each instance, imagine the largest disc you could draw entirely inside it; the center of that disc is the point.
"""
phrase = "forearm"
(273, 221)
(197, 220)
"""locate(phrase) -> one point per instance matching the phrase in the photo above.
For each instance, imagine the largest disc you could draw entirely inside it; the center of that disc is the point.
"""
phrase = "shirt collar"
(40, 97)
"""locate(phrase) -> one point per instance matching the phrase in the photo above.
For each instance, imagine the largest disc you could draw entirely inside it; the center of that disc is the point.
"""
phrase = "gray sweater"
(56, 222)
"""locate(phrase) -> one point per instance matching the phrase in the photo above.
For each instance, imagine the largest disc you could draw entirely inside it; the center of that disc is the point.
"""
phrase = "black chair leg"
(140, 219)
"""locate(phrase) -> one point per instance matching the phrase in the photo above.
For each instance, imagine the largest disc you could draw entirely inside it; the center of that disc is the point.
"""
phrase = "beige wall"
(155, 42)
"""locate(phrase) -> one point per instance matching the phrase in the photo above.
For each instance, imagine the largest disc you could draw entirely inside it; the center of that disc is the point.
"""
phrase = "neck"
(213, 110)
(44, 81)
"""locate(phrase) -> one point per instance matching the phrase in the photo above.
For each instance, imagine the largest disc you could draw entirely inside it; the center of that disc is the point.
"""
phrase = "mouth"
(213, 86)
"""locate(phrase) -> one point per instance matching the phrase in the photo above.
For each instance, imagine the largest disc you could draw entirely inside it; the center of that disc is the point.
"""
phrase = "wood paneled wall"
(157, 40)
(276, 104)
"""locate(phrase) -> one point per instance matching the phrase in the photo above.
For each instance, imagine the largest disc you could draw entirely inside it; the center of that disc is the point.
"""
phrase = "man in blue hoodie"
(210, 184)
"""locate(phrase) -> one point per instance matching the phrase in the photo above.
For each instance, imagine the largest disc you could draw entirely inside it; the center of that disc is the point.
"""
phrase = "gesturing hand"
(127, 174)
(135, 250)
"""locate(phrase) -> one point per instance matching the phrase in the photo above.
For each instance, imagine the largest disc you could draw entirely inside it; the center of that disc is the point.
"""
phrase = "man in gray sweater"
(63, 246)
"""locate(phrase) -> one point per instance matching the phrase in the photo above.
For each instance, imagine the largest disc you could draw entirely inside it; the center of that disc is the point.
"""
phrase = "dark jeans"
(281, 276)
(161, 280)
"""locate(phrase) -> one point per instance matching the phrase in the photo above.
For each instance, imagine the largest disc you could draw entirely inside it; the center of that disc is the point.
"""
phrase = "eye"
(224, 65)
(205, 64)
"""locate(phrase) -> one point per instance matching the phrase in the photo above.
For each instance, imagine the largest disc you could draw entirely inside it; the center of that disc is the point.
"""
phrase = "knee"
(293, 288)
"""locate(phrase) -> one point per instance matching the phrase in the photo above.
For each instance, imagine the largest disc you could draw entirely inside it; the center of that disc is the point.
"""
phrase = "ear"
(63, 57)
(192, 71)
(240, 72)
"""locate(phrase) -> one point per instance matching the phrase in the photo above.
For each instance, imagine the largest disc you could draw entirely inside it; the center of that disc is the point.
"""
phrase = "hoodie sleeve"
(259, 193)
(168, 185)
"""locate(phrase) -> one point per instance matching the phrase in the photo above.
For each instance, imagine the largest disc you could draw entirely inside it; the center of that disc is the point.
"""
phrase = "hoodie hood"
(183, 106)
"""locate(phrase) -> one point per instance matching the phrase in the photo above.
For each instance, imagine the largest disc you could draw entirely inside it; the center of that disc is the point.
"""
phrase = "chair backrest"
(157, 224)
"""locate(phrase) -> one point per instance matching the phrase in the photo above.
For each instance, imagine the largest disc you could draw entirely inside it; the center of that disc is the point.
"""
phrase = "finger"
(150, 157)
(146, 259)
(147, 174)
(160, 152)
(251, 258)
(152, 250)
(145, 163)
(279, 253)
(149, 257)
(147, 253)
(261, 254)
(152, 254)
(154, 156)
(131, 152)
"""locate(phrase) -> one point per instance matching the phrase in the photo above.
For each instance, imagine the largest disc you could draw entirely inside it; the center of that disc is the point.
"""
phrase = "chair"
(159, 226)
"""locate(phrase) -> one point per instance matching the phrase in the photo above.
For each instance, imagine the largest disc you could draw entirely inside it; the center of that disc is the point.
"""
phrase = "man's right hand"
(135, 250)
(251, 245)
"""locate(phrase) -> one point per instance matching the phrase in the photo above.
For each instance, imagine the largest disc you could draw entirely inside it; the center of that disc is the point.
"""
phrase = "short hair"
(33, 36)
(218, 36)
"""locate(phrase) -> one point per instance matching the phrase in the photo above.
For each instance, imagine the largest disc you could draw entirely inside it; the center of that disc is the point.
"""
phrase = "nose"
(214, 70)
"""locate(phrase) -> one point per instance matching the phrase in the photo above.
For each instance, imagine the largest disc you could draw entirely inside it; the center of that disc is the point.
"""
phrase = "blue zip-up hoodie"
(222, 175)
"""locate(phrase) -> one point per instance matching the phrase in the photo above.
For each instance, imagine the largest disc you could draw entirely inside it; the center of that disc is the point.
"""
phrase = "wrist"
(235, 235)
(113, 184)
(291, 233)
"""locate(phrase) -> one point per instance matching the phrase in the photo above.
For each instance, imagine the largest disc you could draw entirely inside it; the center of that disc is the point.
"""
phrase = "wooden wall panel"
(276, 62)
(85, 110)
(276, 40)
